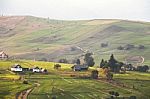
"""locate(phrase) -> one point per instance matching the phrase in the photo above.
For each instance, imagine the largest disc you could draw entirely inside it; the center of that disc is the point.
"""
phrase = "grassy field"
(59, 83)
(10, 84)
(55, 38)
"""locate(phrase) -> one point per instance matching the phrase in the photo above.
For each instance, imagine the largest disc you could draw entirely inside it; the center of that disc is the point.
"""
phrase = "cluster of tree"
(104, 44)
(144, 68)
(88, 59)
(130, 46)
(130, 67)
(112, 63)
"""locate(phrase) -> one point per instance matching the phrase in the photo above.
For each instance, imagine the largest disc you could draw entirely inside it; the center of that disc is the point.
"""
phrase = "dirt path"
(24, 94)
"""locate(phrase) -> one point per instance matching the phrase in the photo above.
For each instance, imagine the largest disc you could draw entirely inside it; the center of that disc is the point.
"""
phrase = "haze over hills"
(30, 37)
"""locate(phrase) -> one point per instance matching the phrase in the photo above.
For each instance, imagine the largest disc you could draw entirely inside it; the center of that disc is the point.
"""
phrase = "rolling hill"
(28, 37)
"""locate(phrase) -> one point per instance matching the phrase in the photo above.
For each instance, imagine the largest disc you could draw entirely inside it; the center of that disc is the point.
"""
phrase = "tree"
(102, 63)
(89, 60)
(144, 68)
(111, 92)
(94, 74)
(109, 76)
(25, 82)
(116, 94)
(105, 64)
(78, 61)
(57, 66)
(112, 63)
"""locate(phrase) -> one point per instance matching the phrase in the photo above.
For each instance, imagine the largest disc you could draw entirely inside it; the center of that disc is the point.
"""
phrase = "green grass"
(59, 83)
(9, 88)
(141, 82)
(10, 84)
(69, 88)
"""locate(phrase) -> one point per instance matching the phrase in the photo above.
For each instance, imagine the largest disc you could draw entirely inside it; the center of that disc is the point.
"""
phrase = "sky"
(79, 9)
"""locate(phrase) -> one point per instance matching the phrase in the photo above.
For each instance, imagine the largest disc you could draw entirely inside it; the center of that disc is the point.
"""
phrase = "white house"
(36, 69)
(16, 68)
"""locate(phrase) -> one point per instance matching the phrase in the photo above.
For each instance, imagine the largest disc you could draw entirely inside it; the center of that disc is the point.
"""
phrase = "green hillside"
(36, 38)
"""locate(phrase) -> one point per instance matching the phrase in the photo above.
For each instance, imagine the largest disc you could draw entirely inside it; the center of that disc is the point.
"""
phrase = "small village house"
(16, 68)
(36, 69)
(19, 68)
(79, 67)
(3, 55)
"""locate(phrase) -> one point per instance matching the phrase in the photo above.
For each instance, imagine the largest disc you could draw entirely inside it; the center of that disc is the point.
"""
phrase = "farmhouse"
(36, 69)
(79, 67)
(3, 55)
(17, 68)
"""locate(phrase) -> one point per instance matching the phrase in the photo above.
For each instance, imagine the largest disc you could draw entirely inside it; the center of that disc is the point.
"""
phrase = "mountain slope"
(36, 38)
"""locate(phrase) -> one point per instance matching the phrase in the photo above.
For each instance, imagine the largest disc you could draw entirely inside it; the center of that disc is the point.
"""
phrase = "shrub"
(132, 97)
(111, 92)
(57, 66)
(25, 82)
(141, 46)
(104, 44)
(120, 48)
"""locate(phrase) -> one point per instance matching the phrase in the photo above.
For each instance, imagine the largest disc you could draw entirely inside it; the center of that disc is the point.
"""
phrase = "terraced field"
(10, 85)
(67, 84)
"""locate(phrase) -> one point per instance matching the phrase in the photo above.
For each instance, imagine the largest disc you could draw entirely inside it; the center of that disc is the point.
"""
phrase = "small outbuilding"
(36, 69)
(3, 55)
